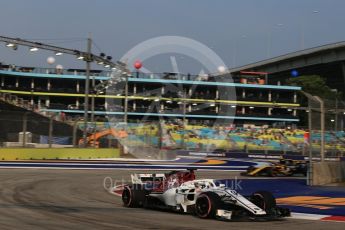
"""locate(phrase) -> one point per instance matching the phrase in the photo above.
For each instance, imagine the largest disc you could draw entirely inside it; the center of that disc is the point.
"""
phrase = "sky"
(238, 31)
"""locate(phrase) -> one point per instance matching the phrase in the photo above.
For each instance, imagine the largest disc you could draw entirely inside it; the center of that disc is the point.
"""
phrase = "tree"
(315, 85)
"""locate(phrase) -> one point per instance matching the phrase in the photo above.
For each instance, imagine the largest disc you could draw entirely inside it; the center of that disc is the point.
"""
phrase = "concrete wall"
(56, 153)
(328, 172)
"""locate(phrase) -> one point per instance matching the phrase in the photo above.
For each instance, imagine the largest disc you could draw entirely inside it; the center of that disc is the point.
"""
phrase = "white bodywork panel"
(140, 178)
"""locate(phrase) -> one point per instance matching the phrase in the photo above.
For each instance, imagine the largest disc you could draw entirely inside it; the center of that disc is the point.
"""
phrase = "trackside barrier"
(56, 153)
(270, 156)
(328, 172)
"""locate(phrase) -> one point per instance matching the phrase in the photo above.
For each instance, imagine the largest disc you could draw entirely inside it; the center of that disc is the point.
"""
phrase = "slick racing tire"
(264, 200)
(271, 172)
(206, 205)
(133, 197)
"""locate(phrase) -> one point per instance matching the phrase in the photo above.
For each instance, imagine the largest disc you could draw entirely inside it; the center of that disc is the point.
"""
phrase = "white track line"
(307, 216)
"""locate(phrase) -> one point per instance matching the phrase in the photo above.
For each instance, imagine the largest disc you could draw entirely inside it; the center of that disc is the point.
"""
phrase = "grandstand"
(169, 110)
(246, 99)
(223, 138)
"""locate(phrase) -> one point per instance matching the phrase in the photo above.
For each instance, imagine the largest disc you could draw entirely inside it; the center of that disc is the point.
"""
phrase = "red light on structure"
(138, 64)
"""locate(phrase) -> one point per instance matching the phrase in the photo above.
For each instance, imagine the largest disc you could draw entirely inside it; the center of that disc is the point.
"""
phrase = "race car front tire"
(264, 200)
(206, 205)
(133, 197)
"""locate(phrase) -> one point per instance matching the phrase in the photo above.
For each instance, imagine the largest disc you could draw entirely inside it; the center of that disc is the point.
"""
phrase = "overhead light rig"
(14, 43)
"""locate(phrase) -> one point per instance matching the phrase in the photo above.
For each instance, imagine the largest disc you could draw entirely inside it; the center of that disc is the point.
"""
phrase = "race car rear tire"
(264, 200)
(206, 205)
(271, 172)
(133, 197)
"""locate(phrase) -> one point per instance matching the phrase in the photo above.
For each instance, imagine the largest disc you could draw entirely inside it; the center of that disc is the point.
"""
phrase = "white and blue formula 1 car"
(180, 191)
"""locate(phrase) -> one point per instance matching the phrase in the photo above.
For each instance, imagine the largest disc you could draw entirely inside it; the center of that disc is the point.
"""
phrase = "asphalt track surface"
(77, 199)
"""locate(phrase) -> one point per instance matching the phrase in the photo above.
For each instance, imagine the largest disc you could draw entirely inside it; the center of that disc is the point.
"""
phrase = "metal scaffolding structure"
(118, 67)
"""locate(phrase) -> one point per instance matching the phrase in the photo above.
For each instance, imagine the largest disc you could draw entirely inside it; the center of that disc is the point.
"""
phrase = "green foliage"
(315, 85)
